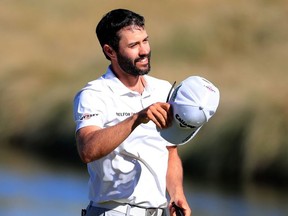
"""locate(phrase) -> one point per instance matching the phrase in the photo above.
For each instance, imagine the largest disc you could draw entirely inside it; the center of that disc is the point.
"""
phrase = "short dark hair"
(111, 23)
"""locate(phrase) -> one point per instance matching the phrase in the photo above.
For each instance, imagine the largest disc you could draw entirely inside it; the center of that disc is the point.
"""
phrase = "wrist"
(136, 119)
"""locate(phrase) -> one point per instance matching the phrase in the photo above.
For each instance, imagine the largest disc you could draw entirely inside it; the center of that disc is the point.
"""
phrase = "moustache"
(142, 57)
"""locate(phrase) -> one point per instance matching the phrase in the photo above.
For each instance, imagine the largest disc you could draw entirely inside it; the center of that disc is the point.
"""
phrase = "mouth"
(143, 61)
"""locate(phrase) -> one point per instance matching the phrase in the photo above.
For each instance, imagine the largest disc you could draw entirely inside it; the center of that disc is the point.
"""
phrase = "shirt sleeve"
(88, 109)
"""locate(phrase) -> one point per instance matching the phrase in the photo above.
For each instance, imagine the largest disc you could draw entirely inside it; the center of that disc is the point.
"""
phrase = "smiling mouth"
(144, 60)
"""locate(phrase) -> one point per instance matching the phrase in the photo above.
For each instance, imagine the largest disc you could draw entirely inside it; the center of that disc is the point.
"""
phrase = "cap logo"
(210, 88)
(182, 122)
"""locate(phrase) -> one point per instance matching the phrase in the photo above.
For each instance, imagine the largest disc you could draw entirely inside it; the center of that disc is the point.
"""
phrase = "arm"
(174, 180)
(94, 142)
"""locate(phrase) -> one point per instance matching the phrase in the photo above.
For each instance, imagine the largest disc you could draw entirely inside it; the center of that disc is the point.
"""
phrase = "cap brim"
(178, 136)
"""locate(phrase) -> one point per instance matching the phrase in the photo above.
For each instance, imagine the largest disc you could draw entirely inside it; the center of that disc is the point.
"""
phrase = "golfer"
(118, 117)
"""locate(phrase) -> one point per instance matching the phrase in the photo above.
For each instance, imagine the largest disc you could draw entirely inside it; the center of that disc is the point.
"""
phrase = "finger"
(171, 209)
(151, 115)
(159, 114)
(170, 115)
(162, 116)
(179, 211)
(168, 112)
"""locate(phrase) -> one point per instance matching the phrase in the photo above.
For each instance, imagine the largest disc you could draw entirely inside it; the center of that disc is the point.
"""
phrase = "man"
(117, 117)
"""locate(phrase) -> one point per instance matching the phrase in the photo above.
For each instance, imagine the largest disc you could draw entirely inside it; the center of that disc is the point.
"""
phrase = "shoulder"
(97, 85)
(91, 89)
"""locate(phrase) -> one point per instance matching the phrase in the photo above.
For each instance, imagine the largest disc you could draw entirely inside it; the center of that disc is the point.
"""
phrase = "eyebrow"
(137, 42)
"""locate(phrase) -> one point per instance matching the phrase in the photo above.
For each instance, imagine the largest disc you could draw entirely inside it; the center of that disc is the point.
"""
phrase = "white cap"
(194, 101)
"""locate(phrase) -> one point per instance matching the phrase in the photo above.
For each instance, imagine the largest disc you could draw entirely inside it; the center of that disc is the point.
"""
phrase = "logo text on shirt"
(88, 116)
(127, 114)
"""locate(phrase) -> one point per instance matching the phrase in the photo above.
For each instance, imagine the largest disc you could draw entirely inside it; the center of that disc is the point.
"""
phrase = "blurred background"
(236, 165)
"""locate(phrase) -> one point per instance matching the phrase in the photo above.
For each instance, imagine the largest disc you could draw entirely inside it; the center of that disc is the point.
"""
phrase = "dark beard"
(129, 66)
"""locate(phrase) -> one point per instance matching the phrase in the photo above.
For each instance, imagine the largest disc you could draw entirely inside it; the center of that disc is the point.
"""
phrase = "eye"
(146, 40)
(133, 45)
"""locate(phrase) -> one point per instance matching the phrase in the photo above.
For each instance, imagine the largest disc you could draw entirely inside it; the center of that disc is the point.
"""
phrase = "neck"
(134, 83)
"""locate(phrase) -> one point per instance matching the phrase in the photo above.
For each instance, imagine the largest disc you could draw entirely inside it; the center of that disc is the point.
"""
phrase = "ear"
(109, 51)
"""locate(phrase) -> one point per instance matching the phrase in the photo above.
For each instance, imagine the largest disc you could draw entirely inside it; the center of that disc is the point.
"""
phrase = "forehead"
(132, 33)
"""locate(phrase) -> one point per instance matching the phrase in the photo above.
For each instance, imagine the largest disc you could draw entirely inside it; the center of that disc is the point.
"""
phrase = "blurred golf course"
(49, 51)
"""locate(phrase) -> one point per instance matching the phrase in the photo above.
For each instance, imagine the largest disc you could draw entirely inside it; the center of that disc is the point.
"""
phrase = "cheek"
(131, 54)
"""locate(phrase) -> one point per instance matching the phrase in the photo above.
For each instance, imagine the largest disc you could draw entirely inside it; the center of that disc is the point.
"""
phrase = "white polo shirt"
(135, 172)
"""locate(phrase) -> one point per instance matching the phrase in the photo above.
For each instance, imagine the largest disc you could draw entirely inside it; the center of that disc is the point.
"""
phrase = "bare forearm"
(96, 143)
(175, 183)
(175, 176)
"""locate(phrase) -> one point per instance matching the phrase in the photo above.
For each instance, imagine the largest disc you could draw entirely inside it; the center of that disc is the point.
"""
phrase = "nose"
(144, 49)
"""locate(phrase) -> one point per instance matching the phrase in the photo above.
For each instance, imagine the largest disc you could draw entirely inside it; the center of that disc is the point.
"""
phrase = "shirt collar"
(119, 88)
